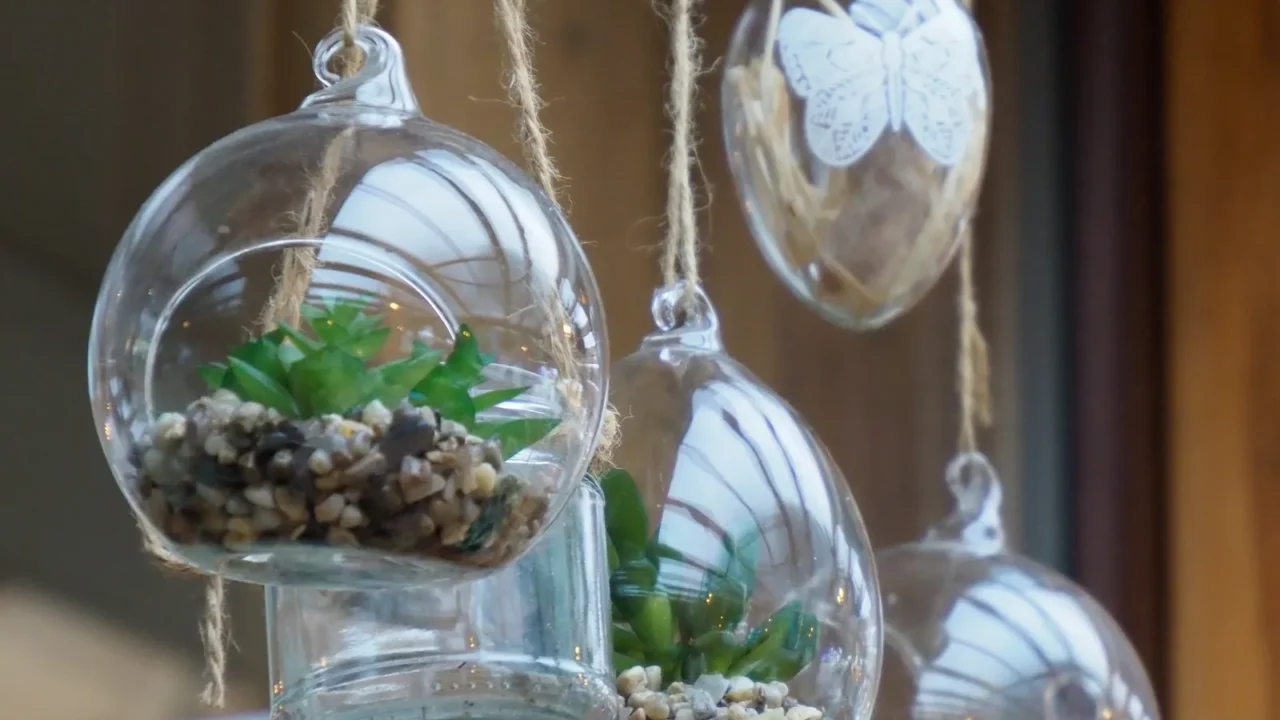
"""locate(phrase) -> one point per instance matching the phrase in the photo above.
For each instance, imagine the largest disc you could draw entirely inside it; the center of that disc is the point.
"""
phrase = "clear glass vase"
(530, 640)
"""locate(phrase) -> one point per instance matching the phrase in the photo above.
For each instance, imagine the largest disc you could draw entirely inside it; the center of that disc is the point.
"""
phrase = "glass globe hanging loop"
(740, 565)
(434, 396)
(973, 632)
(857, 136)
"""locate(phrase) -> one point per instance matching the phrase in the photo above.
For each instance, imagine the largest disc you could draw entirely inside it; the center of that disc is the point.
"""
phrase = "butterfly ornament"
(861, 75)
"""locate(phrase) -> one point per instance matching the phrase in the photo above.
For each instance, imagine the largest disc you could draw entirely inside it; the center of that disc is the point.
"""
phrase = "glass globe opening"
(419, 407)
(857, 138)
(740, 571)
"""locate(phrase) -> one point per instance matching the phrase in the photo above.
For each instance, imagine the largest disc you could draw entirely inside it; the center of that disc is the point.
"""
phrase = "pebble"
(330, 509)
(171, 427)
(220, 447)
(249, 416)
(773, 714)
(741, 689)
(684, 714)
(376, 416)
(291, 504)
(704, 707)
(801, 712)
(264, 519)
(714, 685)
(281, 465)
(655, 707)
(351, 517)
(320, 462)
(238, 506)
(638, 714)
(631, 680)
(373, 463)
(260, 495)
(653, 677)
(738, 712)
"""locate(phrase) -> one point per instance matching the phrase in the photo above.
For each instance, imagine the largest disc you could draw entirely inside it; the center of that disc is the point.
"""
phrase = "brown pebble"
(352, 494)
(470, 510)
(212, 496)
(328, 483)
(342, 536)
(351, 517)
(214, 521)
(238, 506)
(455, 533)
(264, 520)
(638, 714)
(281, 465)
(240, 526)
(442, 512)
(330, 509)
(374, 463)
(291, 504)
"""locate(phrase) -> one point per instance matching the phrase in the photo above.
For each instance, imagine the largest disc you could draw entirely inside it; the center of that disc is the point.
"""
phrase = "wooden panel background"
(1224, 216)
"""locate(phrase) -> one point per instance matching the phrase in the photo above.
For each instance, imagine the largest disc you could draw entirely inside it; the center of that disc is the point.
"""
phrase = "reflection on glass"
(976, 633)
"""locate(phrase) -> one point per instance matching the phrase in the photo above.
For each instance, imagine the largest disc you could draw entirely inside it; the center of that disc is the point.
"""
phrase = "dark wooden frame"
(1116, 247)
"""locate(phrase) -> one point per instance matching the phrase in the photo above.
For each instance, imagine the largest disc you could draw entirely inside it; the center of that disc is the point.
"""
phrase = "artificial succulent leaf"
(466, 362)
(299, 339)
(256, 386)
(484, 401)
(393, 381)
(718, 649)
(214, 375)
(515, 435)
(330, 380)
(625, 517)
(625, 640)
(367, 343)
(263, 354)
(289, 354)
(453, 400)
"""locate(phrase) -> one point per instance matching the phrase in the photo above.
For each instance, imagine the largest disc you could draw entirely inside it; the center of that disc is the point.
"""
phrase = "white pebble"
(249, 415)
(655, 707)
(638, 714)
(631, 680)
(376, 415)
(773, 714)
(653, 677)
(714, 685)
(331, 509)
(737, 712)
(171, 427)
(741, 689)
(226, 397)
(264, 519)
(454, 534)
(803, 712)
(638, 698)
(684, 714)
(218, 446)
(676, 688)
(774, 693)
(260, 495)
(320, 462)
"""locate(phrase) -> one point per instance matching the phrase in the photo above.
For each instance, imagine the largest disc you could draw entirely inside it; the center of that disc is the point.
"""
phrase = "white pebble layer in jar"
(423, 392)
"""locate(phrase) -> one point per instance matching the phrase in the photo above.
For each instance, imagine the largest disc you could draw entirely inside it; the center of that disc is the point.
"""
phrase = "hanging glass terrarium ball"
(425, 386)
(857, 135)
(741, 574)
(973, 632)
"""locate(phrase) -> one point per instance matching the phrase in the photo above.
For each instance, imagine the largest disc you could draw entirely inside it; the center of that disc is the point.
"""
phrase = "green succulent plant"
(693, 627)
(327, 370)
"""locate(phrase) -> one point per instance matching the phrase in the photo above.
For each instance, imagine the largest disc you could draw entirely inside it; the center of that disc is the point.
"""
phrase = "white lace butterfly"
(859, 78)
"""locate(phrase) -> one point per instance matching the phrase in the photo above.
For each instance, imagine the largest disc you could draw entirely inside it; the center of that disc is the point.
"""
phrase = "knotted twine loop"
(285, 304)
(680, 247)
(973, 370)
(513, 18)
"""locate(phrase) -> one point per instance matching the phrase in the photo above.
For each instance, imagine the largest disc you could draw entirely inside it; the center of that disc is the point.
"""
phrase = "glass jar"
(529, 641)
(742, 577)
(416, 406)
(974, 632)
(857, 136)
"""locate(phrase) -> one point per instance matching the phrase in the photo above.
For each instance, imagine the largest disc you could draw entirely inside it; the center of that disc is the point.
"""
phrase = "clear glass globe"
(740, 565)
(973, 632)
(416, 407)
(857, 136)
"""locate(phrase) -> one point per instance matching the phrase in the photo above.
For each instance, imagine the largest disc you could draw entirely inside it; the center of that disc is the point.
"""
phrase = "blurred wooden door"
(1224, 219)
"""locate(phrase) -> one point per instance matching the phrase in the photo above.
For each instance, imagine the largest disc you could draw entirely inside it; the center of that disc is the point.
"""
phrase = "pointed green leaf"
(364, 323)
(327, 330)
(214, 375)
(626, 517)
(313, 312)
(781, 646)
(452, 400)
(625, 640)
(344, 313)
(613, 554)
(653, 623)
(299, 339)
(515, 435)
(259, 387)
(289, 354)
(466, 359)
(393, 381)
(484, 401)
(263, 355)
(330, 380)
(366, 344)
(719, 648)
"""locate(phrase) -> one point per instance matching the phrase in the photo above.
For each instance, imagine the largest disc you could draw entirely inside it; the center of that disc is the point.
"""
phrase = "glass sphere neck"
(684, 316)
(381, 81)
(975, 522)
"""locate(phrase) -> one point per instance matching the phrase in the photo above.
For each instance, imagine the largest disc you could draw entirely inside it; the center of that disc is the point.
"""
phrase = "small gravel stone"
(655, 707)
(704, 708)
(281, 465)
(638, 714)
(801, 712)
(328, 483)
(377, 416)
(773, 714)
(342, 536)
(454, 533)
(214, 497)
(684, 714)
(240, 526)
(264, 519)
(260, 495)
(238, 506)
(374, 463)
(653, 677)
(171, 427)
(738, 712)
(320, 462)
(291, 504)
(714, 685)
(249, 416)
(631, 680)
(220, 447)
(351, 517)
(330, 509)
(741, 689)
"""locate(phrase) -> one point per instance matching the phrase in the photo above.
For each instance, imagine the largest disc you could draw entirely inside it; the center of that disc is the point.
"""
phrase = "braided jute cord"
(680, 247)
(973, 370)
(285, 304)
(513, 19)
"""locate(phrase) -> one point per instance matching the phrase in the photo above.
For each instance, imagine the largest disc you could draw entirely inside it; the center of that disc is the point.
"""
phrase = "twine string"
(972, 362)
(522, 86)
(680, 247)
(285, 304)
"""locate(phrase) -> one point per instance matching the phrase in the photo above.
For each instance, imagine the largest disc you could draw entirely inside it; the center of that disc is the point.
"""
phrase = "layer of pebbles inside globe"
(237, 473)
(711, 696)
